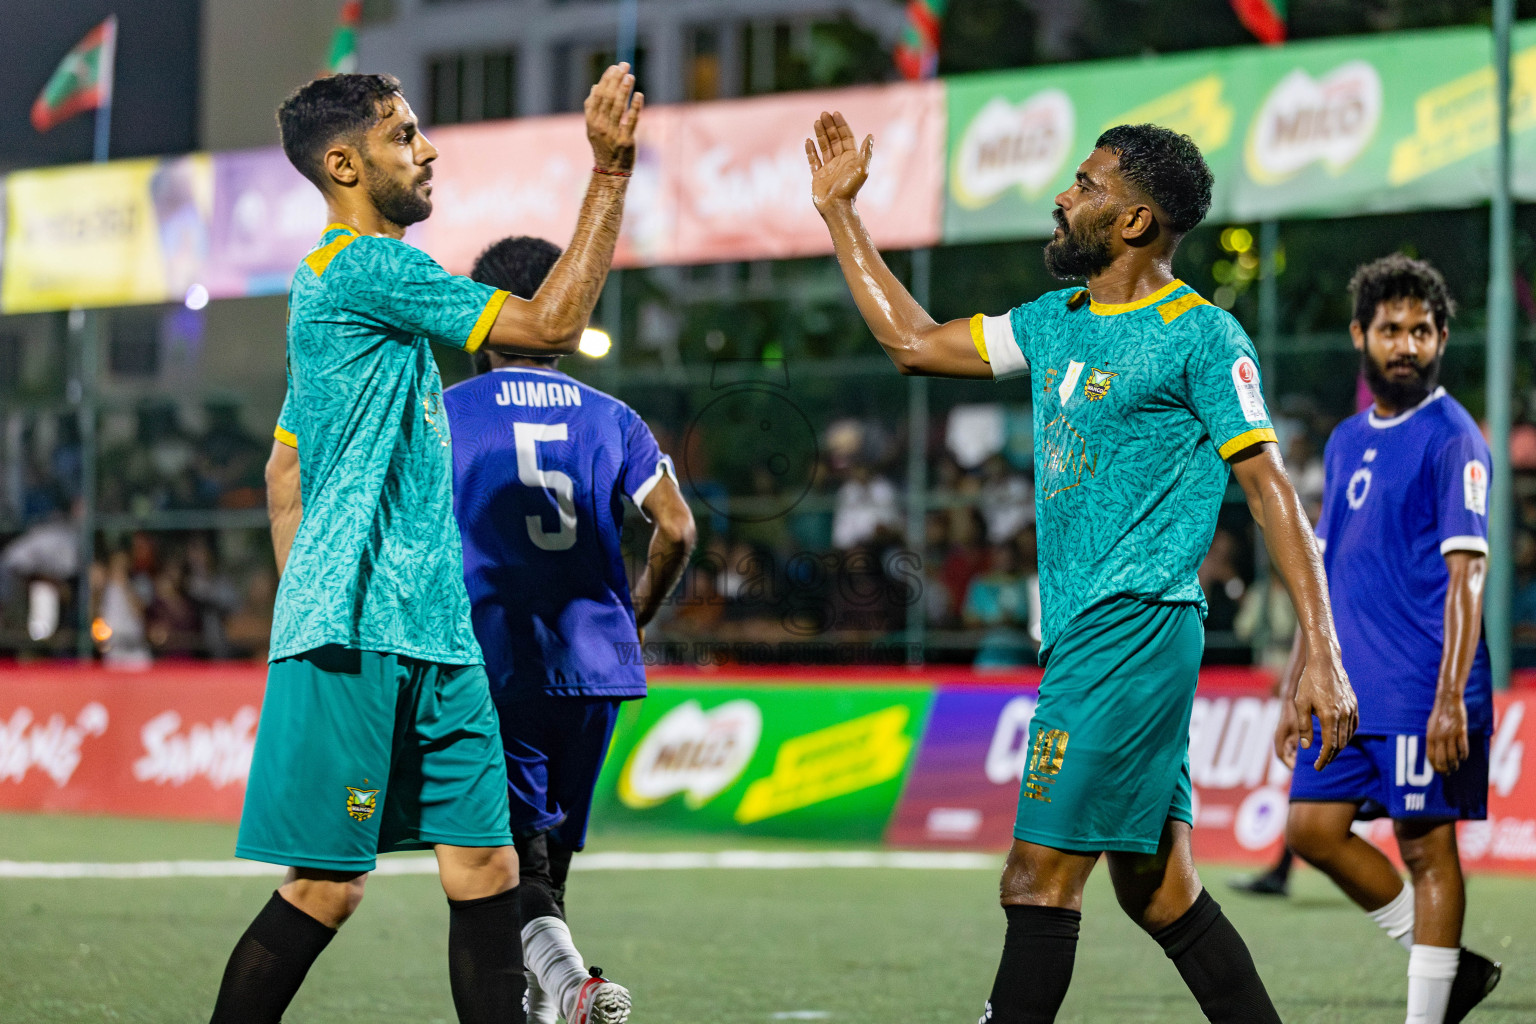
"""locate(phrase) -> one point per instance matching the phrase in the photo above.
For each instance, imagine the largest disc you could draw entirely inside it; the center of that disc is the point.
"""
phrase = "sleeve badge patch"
(1245, 378)
(1474, 487)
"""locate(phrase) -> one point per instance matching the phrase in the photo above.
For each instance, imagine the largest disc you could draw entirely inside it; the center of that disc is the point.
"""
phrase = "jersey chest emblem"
(1097, 384)
(1359, 487)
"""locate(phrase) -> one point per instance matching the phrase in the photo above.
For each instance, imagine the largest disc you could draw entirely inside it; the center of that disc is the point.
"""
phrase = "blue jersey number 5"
(552, 481)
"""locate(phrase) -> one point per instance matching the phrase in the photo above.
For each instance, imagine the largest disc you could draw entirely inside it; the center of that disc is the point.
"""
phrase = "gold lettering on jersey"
(433, 406)
(1097, 384)
(1045, 760)
(1050, 382)
(1064, 458)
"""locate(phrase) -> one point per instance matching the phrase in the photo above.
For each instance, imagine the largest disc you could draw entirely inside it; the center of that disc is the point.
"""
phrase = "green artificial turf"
(862, 946)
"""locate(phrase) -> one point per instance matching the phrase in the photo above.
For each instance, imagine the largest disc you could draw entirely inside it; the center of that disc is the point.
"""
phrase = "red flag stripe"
(1261, 19)
(45, 118)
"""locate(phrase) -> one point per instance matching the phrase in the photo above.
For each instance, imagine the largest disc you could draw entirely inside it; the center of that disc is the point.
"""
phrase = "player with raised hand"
(1144, 395)
(377, 729)
(542, 466)
(1404, 532)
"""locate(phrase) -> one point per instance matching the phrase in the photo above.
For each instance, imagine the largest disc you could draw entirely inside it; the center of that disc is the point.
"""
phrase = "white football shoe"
(600, 1001)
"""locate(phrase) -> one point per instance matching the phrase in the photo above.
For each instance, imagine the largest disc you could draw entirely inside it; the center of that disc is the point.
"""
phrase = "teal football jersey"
(1136, 407)
(375, 564)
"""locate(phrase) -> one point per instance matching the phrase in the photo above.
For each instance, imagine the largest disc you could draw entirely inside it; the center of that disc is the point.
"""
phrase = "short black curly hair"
(1167, 167)
(330, 108)
(1400, 276)
(519, 265)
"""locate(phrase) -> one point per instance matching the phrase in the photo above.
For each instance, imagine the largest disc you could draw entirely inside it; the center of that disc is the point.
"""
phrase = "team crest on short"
(1097, 384)
(361, 803)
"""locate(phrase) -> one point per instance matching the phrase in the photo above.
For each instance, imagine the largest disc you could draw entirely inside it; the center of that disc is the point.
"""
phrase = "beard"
(1400, 395)
(396, 202)
(1079, 254)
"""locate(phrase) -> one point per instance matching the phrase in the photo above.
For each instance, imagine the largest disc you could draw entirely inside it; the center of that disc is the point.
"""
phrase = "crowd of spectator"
(828, 558)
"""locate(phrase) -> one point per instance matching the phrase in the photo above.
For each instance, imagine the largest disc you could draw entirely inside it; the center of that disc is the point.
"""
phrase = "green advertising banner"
(1522, 114)
(1331, 128)
(1016, 138)
(781, 760)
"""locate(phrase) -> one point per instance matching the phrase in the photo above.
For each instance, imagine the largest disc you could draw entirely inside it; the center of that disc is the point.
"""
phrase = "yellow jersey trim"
(487, 317)
(1113, 309)
(1247, 440)
(288, 437)
(322, 257)
(1171, 311)
(979, 339)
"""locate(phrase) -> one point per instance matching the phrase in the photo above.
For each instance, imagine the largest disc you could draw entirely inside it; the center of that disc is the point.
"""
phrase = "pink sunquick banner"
(743, 187)
(266, 216)
(713, 182)
(528, 178)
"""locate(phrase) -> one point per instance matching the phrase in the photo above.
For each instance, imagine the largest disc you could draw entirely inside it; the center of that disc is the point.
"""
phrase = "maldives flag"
(917, 51)
(82, 81)
(343, 56)
(1264, 18)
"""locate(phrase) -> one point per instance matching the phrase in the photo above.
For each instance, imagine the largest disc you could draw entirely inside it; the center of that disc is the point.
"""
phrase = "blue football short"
(1390, 776)
(555, 748)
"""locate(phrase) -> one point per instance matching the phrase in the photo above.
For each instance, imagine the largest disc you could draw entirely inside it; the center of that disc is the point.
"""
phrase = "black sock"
(1282, 870)
(1036, 968)
(1215, 964)
(485, 959)
(535, 879)
(268, 964)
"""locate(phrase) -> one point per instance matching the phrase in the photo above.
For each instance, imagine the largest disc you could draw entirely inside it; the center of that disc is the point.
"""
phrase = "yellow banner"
(128, 232)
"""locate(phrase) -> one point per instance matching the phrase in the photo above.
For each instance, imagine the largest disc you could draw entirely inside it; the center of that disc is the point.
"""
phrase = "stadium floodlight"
(197, 297)
(594, 343)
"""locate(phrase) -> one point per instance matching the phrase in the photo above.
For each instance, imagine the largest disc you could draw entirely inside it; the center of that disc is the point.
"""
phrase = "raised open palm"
(838, 165)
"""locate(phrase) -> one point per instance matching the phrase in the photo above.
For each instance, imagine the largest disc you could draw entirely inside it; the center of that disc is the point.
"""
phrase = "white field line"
(420, 864)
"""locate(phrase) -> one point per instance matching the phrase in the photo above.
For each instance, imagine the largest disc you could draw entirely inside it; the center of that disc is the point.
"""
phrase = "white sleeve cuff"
(1477, 545)
(663, 465)
(1003, 349)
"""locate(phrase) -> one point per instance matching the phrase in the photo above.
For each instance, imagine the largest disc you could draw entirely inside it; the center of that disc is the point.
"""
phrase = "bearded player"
(1404, 532)
(1145, 398)
(377, 729)
(542, 466)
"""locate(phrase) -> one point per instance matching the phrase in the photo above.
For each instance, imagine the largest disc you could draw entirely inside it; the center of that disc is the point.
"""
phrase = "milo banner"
(1329, 128)
(1016, 137)
(783, 760)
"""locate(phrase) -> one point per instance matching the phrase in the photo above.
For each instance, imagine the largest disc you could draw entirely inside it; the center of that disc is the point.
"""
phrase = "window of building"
(134, 347)
(473, 87)
(578, 65)
(704, 79)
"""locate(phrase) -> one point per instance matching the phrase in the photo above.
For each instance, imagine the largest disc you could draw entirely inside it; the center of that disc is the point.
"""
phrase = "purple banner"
(963, 789)
(266, 216)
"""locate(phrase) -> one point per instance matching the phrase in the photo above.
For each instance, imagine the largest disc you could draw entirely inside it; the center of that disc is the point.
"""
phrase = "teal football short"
(1109, 744)
(360, 753)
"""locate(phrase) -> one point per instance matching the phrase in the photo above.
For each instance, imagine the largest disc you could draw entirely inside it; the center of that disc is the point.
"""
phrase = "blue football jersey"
(541, 465)
(1400, 494)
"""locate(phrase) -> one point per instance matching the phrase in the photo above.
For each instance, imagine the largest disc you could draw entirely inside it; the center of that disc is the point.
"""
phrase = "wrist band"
(612, 174)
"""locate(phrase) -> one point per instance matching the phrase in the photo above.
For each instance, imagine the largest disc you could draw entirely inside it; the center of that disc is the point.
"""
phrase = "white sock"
(549, 953)
(1396, 918)
(1431, 970)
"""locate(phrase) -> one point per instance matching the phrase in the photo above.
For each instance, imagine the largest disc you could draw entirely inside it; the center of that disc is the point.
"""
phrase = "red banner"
(173, 742)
